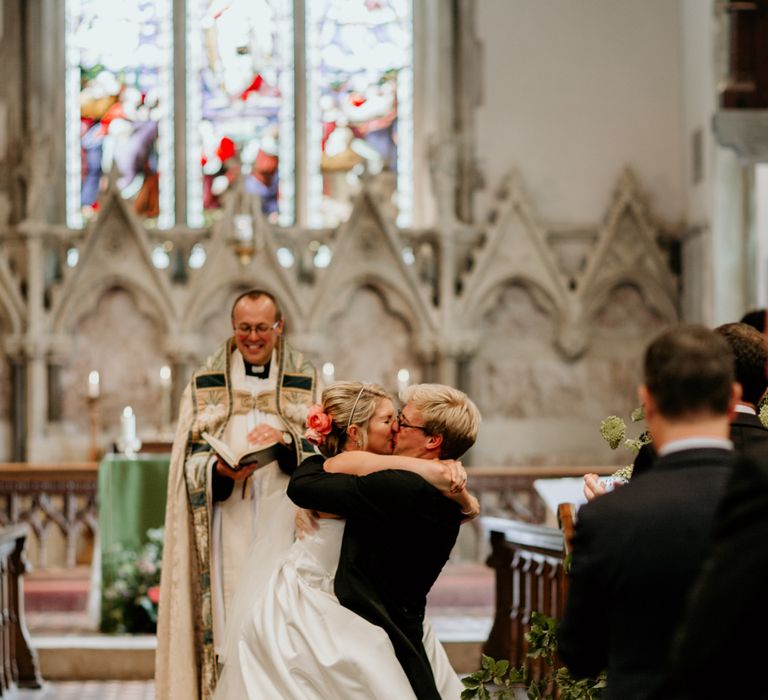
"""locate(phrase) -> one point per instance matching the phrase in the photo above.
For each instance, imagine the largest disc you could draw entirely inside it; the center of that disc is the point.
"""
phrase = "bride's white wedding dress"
(296, 642)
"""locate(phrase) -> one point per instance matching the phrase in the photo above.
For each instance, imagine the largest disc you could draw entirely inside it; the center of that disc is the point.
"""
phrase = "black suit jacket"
(636, 552)
(747, 433)
(728, 602)
(399, 533)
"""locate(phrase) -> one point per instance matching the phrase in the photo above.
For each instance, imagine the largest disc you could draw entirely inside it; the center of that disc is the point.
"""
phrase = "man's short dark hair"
(756, 319)
(689, 370)
(750, 352)
(254, 294)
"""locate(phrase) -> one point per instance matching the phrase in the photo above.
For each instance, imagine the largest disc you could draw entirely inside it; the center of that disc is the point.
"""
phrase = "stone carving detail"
(540, 323)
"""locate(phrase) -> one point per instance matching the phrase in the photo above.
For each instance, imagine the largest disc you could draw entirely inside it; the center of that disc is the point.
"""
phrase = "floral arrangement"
(318, 425)
(497, 680)
(614, 432)
(131, 586)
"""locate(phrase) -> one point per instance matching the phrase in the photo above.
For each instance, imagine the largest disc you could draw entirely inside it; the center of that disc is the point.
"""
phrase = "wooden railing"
(18, 660)
(507, 492)
(58, 503)
(528, 563)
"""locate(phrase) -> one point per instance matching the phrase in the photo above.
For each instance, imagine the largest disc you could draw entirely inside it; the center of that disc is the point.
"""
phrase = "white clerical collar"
(743, 408)
(695, 443)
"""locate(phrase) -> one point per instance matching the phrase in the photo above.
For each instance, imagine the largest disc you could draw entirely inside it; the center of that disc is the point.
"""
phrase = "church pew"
(530, 577)
(18, 660)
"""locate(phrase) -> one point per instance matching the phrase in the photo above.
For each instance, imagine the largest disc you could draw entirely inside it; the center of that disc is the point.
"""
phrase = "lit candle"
(128, 422)
(93, 385)
(403, 380)
(165, 376)
(329, 373)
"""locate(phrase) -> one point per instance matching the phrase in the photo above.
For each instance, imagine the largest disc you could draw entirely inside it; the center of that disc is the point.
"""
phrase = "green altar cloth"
(132, 495)
(132, 492)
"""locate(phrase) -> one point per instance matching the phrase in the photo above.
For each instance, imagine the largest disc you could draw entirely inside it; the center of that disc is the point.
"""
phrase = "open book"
(261, 454)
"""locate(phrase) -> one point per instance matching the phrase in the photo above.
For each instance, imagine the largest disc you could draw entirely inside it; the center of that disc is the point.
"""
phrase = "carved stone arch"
(654, 296)
(393, 296)
(626, 251)
(538, 293)
(368, 252)
(224, 272)
(221, 277)
(116, 254)
(516, 249)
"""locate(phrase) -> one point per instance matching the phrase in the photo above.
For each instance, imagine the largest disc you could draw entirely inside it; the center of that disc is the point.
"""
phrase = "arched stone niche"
(368, 341)
(540, 407)
(124, 344)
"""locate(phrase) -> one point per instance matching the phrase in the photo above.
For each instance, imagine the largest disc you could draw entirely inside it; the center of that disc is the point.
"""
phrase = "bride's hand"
(305, 522)
(470, 506)
(455, 474)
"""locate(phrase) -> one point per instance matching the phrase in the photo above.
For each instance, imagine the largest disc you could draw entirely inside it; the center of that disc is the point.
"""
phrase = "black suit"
(636, 552)
(747, 433)
(728, 602)
(399, 533)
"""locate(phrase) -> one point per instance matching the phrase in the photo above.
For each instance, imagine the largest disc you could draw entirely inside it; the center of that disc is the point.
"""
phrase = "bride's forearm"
(361, 463)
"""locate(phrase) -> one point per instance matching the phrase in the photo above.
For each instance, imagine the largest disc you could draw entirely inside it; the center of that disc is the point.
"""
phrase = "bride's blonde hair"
(349, 403)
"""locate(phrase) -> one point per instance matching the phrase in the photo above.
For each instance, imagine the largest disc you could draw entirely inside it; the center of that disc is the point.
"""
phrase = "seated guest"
(637, 550)
(728, 601)
(750, 351)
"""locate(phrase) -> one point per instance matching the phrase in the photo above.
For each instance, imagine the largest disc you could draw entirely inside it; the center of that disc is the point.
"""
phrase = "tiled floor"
(92, 690)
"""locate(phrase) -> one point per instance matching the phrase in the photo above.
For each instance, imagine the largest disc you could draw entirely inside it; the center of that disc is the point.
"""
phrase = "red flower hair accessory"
(318, 425)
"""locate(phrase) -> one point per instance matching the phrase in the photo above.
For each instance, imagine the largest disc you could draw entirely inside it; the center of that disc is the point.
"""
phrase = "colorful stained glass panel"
(359, 103)
(240, 105)
(119, 63)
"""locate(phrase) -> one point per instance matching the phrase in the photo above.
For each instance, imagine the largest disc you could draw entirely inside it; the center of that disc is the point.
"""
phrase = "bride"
(294, 640)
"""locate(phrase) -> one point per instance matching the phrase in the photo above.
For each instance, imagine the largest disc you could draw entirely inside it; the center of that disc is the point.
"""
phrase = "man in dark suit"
(400, 530)
(637, 550)
(750, 352)
(727, 606)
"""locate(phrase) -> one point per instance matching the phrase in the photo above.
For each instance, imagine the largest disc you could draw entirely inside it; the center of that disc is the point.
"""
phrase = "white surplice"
(297, 642)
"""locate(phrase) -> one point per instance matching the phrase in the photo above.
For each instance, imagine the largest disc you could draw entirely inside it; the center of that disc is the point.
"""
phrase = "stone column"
(35, 343)
(19, 412)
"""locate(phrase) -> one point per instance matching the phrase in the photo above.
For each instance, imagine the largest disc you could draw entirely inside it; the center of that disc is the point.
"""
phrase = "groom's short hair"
(447, 412)
(689, 370)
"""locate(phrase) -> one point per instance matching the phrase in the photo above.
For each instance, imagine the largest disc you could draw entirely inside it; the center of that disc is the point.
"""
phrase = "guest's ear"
(736, 392)
(353, 434)
(646, 400)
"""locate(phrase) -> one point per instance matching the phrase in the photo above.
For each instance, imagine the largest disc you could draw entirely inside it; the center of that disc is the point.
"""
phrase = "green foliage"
(130, 587)
(497, 680)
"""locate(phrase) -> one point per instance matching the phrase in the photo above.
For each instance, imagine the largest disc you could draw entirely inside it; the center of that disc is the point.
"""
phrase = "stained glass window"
(119, 63)
(240, 105)
(359, 103)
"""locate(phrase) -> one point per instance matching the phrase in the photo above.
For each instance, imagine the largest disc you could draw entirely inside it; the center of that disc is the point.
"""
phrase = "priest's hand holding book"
(263, 442)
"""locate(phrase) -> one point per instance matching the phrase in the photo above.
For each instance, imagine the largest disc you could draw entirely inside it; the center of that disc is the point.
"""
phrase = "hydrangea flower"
(613, 429)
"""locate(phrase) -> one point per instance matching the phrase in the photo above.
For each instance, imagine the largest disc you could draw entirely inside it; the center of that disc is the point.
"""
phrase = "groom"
(400, 530)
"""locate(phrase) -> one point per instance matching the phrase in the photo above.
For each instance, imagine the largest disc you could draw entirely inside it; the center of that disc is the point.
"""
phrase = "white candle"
(329, 373)
(93, 385)
(128, 422)
(165, 376)
(403, 380)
